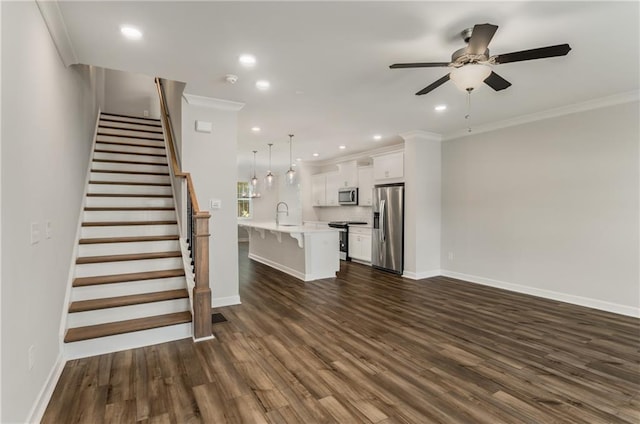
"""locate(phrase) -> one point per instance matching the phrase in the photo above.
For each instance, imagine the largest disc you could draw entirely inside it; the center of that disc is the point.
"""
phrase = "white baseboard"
(420, 275)
(40, 405)
(299, 275)
(548, 294)
(219, 302)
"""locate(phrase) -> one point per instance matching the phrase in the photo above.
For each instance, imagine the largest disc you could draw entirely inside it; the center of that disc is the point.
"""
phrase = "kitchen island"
(307, 252)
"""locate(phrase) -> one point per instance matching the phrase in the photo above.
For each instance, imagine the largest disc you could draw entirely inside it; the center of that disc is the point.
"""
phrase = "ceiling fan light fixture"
(471, 76)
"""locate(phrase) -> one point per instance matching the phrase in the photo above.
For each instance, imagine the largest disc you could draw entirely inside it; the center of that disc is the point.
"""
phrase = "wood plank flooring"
(370, 347)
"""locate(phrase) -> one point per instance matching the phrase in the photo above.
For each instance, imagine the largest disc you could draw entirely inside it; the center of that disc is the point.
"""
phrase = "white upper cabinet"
(365, 186)
(389, 168)
(318, 190)
(334, 180)
(348, 174)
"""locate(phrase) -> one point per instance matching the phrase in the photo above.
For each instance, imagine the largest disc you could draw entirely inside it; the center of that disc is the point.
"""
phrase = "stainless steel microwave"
(348, 196)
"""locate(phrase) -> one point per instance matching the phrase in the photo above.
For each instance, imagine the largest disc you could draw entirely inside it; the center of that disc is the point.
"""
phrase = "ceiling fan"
(471, 64)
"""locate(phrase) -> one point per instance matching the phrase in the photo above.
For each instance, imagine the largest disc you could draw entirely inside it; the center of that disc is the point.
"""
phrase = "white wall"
(549, 208)
(211, 160)
(422, 160)
(130, 94)
(48, 119)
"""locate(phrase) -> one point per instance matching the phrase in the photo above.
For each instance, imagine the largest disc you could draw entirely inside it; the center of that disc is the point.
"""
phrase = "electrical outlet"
(35, 233)
(48, 230)
(450, 256)
(145, 113)
(32, 356)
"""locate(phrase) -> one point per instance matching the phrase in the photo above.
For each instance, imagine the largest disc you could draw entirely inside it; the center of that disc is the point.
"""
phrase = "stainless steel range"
(343, 226)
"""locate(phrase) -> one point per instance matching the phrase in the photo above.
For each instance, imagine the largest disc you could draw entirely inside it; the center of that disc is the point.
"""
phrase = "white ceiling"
(328, 62)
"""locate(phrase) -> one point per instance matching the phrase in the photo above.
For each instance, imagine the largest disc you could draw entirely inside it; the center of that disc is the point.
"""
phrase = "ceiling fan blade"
(480, 38)
(419, 65)
(539, 53)
(496, 82)
(433, 85)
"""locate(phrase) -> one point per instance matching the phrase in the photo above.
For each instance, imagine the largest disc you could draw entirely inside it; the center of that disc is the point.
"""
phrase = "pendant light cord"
(468, 115)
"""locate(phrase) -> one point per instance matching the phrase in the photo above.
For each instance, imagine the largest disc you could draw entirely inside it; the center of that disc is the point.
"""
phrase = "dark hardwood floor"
(370, 347)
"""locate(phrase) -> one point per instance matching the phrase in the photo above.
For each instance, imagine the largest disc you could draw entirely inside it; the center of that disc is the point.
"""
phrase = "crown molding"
(212, 103)
(52, 16)
(355, 156)
(431, 136)
(616, 99)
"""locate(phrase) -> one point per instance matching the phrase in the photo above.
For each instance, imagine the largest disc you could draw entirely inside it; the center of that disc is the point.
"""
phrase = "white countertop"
(271, 226)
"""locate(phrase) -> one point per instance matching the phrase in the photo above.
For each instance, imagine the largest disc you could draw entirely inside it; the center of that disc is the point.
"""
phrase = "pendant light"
(254, 180)
(269, 174)
(290, 173)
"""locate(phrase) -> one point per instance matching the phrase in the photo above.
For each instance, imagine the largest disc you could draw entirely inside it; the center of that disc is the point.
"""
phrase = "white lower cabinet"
(360, 243)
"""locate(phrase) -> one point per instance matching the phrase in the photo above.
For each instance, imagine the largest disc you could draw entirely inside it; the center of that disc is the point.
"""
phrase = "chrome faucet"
(278, 211)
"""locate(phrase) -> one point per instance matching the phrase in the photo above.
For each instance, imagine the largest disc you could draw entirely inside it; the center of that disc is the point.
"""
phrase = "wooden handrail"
(198, 234)
(177, 171)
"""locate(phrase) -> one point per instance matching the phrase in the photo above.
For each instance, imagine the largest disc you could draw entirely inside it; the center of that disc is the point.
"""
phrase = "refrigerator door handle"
(383, 235)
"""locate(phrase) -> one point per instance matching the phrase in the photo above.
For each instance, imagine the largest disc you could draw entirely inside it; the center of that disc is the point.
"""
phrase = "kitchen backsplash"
(344, 213)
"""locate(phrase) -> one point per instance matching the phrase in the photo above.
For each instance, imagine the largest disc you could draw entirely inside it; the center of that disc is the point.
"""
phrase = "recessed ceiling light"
(299, 159)
(294, 164)
(315, 155)
(342, 147)
(377, 137)
(247, 60)
(255, 129)
(440, 108)
(132, 33)
(263, 85)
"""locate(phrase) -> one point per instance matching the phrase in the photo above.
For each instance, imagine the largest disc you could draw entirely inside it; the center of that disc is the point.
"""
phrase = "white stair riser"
(130, 140)
(129, 189)
(139, 178)
(113, 131)
(125, 341)
(129, 231)
(128, 125)
(133, 202)
(96, 216)
(103, 316)
(96, 166)
(102, 249)
(134, 158)
(130, 119)
(100, 291)
(126, 267)
(130, 149)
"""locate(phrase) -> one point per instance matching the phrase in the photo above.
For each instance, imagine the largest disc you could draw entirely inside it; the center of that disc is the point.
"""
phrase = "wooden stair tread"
(114, 143)
(134, 183)
(146, 118)
(130, 162)
(124, 152)
(127, 257)
(117, 171)
(124, 208)
(127, 195)
(119, 121)
(139, 137)
(121, 223)
(127, 326)
(134, 299)
(100, 240)
(112, 127)
(121, 278)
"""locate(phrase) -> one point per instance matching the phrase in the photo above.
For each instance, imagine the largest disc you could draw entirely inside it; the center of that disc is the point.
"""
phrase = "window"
(244, 199)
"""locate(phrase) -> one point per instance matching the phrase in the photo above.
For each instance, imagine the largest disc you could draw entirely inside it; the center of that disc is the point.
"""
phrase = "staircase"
(129, 286)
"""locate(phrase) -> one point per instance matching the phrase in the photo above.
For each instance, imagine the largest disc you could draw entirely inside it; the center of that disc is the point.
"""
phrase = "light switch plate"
(215, 204)
(204, 126)
(35, 233)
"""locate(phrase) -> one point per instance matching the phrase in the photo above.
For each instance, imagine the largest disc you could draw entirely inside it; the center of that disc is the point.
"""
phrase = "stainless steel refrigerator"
(387, 243)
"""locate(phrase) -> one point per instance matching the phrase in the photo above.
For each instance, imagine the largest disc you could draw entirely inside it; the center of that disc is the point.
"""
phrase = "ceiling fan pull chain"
(468, 115)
